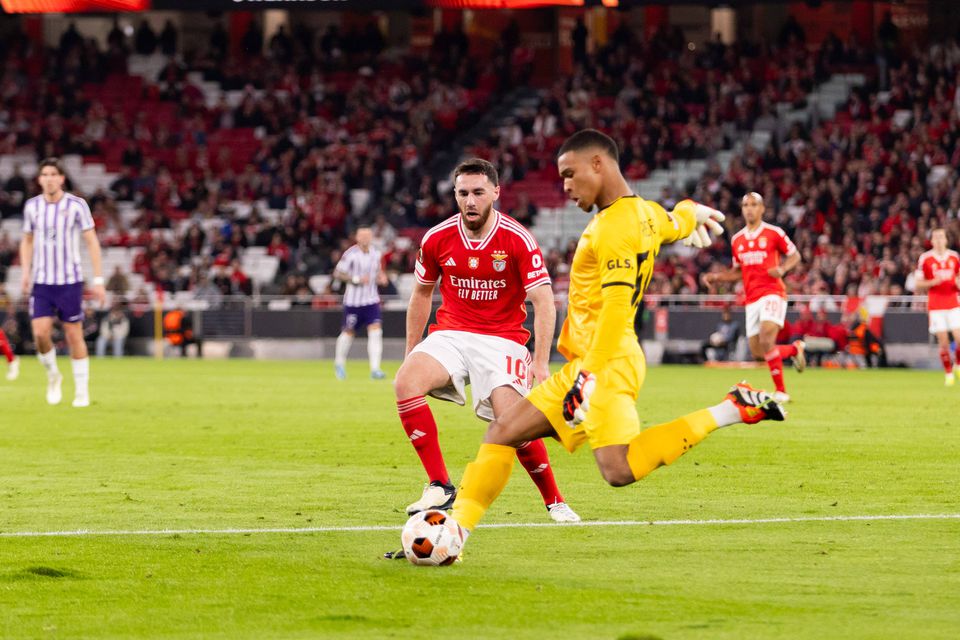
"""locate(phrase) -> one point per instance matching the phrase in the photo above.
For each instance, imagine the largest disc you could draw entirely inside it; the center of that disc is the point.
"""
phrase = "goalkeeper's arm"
(616, 314)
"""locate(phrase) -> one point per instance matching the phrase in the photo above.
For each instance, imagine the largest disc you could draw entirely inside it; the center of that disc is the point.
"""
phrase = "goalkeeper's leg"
(535, 460)
(662, 444)
(485, 477)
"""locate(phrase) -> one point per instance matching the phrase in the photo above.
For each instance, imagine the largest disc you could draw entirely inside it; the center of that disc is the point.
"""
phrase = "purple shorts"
(64, 301)
(356, 317)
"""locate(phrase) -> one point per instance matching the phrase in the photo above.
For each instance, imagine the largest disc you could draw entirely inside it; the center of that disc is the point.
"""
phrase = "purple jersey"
(357, 263)
(56, 229)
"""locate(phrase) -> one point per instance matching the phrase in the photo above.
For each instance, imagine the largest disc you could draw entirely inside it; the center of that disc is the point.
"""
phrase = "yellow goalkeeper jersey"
(612, 266)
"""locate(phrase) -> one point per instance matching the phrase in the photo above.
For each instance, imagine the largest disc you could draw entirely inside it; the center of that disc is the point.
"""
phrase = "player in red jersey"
(13, 362)
(488, 265)
(937, 273)
(756, 258)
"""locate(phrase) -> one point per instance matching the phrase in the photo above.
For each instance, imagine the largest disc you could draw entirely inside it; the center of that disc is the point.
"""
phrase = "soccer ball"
(431, 538)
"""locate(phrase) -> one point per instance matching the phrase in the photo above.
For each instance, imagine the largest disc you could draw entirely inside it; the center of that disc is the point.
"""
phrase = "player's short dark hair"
(51, 162)
(476, 167)
(590, 139)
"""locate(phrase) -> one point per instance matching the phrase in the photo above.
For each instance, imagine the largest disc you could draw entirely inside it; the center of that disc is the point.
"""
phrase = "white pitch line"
(511, 525)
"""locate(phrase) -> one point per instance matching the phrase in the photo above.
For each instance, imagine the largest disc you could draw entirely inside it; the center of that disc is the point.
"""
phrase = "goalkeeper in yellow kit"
(593, 397)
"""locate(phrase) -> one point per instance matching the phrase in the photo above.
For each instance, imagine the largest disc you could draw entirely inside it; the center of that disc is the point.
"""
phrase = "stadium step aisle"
(25, 161)
(148, 67)
(12, 228)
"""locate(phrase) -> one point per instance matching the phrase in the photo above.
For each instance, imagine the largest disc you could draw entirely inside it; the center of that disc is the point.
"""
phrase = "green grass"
(242, 444)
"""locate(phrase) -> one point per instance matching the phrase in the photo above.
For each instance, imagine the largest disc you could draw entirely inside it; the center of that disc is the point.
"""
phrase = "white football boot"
(561, 512)
(436, 495)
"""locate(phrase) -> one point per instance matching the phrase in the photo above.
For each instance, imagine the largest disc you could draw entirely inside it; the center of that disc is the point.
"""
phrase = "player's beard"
(476, 225)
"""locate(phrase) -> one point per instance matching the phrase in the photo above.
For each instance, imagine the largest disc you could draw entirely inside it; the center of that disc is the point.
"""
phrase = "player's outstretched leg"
(485, 478)
(662, 444)
(533, 456)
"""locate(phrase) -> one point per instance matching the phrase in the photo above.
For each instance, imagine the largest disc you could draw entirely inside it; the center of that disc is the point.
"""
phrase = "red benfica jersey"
(944, 295)
(483, 283)
(756, 252)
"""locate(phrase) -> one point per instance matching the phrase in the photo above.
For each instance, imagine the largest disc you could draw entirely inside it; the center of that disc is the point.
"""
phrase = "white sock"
(375, 347)
(81, 376)
(344, 340)
(725, 413)
(49, 361)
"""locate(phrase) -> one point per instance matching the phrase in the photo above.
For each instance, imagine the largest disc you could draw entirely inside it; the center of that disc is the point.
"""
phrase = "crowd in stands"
(309, 148)
(858, 194)
(660, 100)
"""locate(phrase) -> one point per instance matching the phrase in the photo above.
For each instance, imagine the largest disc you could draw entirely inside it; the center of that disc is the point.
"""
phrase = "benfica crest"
(763, 243)
(499, 261)
(473, 262)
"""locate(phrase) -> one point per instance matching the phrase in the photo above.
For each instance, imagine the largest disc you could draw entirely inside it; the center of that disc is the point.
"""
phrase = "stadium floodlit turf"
(244, 445)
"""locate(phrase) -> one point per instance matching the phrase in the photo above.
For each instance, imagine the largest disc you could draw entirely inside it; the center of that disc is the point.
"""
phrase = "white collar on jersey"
(477, 245)
(752, 235)
(940, 258)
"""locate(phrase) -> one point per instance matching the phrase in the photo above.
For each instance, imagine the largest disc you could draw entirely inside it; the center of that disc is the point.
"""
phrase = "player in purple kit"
(361, 270)
(53, 224)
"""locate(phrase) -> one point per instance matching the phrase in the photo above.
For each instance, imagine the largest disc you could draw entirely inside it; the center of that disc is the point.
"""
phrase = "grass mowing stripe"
(506, 525)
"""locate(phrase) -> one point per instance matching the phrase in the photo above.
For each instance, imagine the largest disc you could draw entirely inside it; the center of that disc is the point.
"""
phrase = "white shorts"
(483, 362)
(943, 320)
(767, 309)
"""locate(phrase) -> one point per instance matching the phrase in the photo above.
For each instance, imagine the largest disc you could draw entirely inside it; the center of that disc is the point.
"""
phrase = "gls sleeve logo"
(619, 263)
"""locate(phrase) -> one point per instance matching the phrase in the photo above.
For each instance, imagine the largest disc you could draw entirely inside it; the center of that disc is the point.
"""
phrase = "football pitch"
(245, 499)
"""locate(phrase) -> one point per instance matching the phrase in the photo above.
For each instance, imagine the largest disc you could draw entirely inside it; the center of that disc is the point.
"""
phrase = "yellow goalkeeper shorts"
(612, 417)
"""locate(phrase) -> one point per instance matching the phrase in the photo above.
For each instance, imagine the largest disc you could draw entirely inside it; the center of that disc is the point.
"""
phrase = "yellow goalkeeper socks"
(483, 480)
(664, 443)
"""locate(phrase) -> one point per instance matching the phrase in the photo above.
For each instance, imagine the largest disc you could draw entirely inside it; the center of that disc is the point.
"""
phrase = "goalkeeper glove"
(577, 401)
(708, 222)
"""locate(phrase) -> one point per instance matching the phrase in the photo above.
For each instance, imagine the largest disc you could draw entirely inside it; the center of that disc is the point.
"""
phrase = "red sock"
(421, 428)
(5, 347)
(786, 350)
(775, 362)
(945, 359)
(957, 355)
(533, 457)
